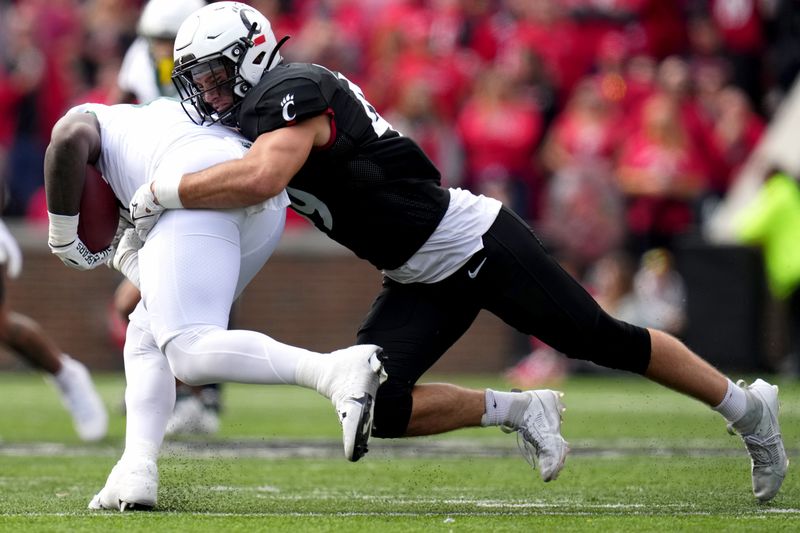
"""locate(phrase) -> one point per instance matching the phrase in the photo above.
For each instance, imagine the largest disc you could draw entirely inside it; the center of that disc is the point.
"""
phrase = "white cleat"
(79, 396)
(190, 416)
(539, 431)
(356, 375)
(763, 441)
(132, 485)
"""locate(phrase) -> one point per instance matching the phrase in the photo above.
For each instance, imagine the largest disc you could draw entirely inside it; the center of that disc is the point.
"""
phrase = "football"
(99, 214)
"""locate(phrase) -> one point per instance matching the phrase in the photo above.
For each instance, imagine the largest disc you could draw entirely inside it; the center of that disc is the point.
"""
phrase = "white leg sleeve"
(192, 267)
(150, 391)
(210, 355)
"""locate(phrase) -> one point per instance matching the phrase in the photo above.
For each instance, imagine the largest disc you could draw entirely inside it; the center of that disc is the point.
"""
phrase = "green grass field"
(644, 459)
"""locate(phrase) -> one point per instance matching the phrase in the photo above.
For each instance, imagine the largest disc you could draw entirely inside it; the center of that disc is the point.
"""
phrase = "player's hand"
(64, 242)
(76, 255)
(10, 254)
(123, 224)
(144, 210)
(126, 257)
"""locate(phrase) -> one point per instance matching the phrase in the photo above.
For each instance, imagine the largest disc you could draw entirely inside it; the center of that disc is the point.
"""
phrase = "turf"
(644, 459)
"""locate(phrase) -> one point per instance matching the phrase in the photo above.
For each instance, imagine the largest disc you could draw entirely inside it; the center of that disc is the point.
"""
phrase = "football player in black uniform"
(445, 254)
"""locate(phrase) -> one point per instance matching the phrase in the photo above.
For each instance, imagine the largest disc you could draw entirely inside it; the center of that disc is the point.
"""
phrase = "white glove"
(76, 255)
(126, 257)
(144, 210)
(123, 224)
(64, 242)
(10, 254)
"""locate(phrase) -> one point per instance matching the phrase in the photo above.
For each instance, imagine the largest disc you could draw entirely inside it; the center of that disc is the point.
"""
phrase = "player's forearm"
(236, 183)
(63, 178)
(66, 157)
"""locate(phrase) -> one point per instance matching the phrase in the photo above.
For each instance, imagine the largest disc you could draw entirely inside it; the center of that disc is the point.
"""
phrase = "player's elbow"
(76, 134)
(264, 183)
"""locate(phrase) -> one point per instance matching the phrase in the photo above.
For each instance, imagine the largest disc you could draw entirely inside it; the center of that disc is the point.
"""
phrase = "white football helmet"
(160, 19)
(234, 43)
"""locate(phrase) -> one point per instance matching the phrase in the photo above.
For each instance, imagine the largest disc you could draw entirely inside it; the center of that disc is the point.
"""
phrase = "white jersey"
(141, 143)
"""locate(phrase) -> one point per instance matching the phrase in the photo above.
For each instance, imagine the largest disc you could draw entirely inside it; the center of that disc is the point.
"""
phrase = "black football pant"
(516, 279)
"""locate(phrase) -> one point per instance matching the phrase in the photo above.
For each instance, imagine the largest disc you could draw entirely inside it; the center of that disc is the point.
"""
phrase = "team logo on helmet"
(287, 103)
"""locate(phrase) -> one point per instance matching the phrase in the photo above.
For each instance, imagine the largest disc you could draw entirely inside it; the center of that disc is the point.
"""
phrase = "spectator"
(772, 220)
(660, 293)
(582, 215)
(30, 91)
(740, 25)
(500, 131)
(737, 131)
(661, 174)
(417, 116)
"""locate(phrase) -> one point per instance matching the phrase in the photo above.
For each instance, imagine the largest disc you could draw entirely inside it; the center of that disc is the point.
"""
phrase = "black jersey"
(371, 189)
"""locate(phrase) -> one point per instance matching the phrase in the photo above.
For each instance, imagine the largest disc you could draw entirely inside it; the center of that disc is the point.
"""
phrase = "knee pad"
(392, 410)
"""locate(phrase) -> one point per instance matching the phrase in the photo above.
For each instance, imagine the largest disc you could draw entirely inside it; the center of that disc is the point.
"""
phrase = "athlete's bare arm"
(262, 173)
(75, 142)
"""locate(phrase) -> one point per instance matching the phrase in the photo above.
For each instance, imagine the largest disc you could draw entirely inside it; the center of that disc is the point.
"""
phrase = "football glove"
(10, 255)
(126, 256)
(66, 245)
(144, 210)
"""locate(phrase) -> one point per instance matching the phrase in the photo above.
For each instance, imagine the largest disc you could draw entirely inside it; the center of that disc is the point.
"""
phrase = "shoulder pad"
(285, 96)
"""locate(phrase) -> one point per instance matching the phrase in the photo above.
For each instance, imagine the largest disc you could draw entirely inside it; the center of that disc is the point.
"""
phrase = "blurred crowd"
(603, 122)
(613, 126)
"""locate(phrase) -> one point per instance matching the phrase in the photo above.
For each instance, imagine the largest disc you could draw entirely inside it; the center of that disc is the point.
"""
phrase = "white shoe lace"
(528, 447)
(764, 451)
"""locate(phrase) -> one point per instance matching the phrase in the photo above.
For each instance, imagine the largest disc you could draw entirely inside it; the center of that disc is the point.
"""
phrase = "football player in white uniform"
(446, 253)
(144, 76)
(147, 66)
(192, 267)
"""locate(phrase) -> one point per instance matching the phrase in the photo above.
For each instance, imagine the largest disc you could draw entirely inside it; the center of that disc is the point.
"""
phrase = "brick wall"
(312, 293)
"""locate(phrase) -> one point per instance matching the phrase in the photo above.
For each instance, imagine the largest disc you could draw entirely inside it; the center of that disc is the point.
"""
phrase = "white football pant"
(192, 267)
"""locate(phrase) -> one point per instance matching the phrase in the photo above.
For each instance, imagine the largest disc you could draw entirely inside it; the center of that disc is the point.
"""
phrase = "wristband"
(62, 230)
(166, 193)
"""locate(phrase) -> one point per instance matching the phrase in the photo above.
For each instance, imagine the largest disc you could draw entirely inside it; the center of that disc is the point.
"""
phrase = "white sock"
(310, 372)
(498, 406)
(140, 449)
(322, 372)
(734, 405)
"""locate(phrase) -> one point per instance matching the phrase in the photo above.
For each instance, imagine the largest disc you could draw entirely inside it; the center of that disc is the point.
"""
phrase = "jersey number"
(307, 204)
(379, 124)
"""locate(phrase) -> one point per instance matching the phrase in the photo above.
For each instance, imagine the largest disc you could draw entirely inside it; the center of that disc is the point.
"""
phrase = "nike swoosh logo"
(473, 273)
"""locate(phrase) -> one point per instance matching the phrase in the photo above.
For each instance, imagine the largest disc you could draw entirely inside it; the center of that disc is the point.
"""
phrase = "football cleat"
(190, 416)
(762, 438)
(79, 396)
(351, 385)
(538, 427)
(131, 486)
